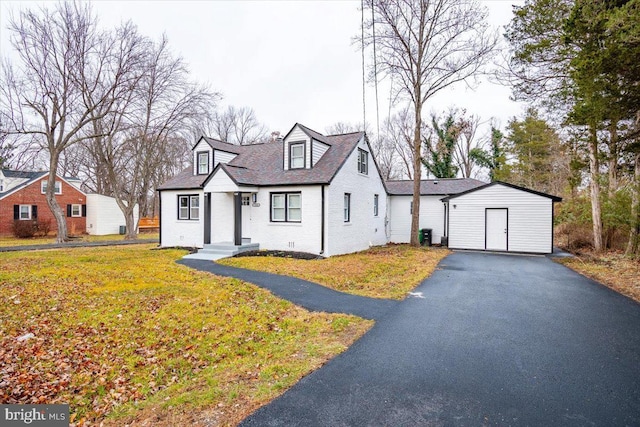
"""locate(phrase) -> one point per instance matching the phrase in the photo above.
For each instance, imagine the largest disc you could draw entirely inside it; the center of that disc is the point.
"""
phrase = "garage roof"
(506, 184)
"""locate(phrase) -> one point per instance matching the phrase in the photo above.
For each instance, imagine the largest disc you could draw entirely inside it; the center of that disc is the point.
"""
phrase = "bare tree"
(140, 143)
(62, 60)
(236, 125)
(467, 142)
(428, 45)
(398, 132)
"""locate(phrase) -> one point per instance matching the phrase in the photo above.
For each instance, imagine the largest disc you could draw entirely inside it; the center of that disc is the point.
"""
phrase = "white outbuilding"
(500, 217)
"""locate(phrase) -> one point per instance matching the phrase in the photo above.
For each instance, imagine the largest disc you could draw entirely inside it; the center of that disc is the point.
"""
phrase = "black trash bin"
(123, 229)
(425, 236)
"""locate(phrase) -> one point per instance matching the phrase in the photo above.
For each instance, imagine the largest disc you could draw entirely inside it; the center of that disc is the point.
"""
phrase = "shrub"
(43, 227)
(24, 229)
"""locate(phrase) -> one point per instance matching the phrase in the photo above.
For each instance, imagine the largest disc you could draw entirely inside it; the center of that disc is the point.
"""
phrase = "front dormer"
(208, 152)
(302, 148)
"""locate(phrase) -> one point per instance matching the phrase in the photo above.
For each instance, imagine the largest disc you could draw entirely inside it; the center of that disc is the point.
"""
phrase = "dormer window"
(363, 161)
(296, 155)
(203, 163)
(44, 184)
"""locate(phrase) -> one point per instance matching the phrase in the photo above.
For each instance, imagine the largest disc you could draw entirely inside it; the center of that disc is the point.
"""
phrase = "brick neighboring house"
(22, 198)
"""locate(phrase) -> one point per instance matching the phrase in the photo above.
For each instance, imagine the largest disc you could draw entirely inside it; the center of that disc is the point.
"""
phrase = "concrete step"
(217, 251)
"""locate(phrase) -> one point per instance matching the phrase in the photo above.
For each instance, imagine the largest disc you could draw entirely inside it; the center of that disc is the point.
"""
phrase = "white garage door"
(496, 229)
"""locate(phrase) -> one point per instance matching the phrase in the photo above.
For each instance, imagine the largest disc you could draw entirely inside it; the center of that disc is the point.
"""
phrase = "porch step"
(217, 251)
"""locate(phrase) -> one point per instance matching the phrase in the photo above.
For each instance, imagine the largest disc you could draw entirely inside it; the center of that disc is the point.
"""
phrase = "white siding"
(317, 151)
(200, 147)
(529, 219)
(364, 230)
(175, 232)
(431, 216)
(220, 182)
(104, 216)
(222, 157)
(296, 135)
(301, 237)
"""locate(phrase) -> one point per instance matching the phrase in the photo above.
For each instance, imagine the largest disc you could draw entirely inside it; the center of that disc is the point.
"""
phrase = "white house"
(307, 192)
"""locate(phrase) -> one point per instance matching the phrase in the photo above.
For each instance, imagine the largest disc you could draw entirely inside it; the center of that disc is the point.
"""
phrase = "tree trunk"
(417, 172)
(612, 187)
(56, 210)
(594, 170)
(132, 225)
(634, 234)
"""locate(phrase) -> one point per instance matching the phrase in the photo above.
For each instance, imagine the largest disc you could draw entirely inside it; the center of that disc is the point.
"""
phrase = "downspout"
(322, 222)
(237, 226)
(159, 217)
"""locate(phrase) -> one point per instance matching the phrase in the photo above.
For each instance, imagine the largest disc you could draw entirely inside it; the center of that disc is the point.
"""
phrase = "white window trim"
(29, 212)
(58, 187)
(73, 214)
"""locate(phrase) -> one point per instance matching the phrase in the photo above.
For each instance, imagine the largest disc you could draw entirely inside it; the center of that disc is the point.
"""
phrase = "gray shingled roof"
(184, 180)
(262, 164)
(30, 176)
(224, 146)
(434, 187)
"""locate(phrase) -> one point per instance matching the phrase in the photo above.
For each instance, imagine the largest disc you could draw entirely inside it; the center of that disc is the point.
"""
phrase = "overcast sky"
(291, 61)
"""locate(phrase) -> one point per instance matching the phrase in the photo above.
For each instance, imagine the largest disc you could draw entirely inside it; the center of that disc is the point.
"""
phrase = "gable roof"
(28, 176)
(433, 187)
(185, 180)
(310, 133)
(222, 146)
(506, 184)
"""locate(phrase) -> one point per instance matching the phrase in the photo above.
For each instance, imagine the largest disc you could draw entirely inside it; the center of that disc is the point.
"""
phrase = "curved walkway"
(309, 295)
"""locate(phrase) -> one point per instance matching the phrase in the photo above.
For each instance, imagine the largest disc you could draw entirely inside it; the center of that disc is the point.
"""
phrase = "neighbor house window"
(296, 156)
(286, 207)
(363, 161)
(203, 163)
(347, 207)
(76, 210)
(58, 188)
(188, 207)
(25, 211)
(375, 204)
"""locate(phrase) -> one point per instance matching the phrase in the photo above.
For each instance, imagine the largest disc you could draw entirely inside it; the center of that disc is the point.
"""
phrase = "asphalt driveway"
(492, 340)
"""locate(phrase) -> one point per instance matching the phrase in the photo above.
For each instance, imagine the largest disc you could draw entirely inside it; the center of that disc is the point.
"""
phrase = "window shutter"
(68, 210)
(16, 212)
(34, 212)
(84, 210)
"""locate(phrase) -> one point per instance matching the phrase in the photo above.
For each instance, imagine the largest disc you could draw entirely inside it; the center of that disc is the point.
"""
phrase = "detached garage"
(501, 217)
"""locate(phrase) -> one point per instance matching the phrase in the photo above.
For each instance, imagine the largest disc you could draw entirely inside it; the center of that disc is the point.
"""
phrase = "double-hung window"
(203, 163)
(44, 184)
(25, 212)
(376, 198)
(347, 207)
(189, 207)
(296, 155)
(286, 207)
(363, 161)
(76, 210)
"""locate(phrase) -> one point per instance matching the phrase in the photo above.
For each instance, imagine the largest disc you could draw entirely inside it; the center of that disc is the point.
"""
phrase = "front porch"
(216, 251)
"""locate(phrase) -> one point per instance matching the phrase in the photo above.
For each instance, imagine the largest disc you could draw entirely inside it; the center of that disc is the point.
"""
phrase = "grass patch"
(14, 241)
(613, 269)
(125, 335)
(380, 272)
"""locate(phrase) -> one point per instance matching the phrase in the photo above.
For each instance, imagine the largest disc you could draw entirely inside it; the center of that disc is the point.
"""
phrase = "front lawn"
(613, 269)
(380, 272)
(125, 335)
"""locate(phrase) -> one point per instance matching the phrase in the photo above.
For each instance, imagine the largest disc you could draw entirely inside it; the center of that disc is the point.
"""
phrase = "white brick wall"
(431, 216)
(364, 229)
(175, 232)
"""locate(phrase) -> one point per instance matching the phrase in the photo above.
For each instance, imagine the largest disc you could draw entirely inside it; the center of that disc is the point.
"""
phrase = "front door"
(497, 229)
(246, 216)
